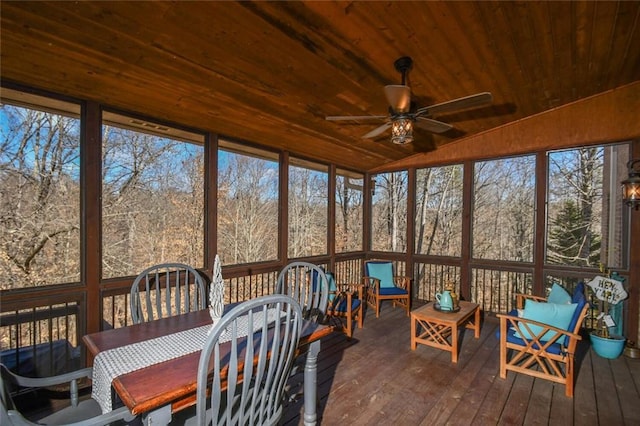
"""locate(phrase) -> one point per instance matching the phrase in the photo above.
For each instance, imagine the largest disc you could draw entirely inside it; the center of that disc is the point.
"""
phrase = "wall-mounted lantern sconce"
(631, 185)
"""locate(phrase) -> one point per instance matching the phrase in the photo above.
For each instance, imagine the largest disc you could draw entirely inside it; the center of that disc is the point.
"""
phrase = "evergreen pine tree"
(571, 241)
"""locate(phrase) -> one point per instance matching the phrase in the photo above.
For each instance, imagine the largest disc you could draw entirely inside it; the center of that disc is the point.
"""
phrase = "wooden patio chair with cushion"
(382, 284)
(166, 290)
(541, 339)
(79, 412)
(345, 303)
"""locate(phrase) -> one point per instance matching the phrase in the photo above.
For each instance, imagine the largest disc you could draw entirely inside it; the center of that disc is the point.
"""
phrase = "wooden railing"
(430, 278)
(495, 289)
(49, 335)
(42, 340)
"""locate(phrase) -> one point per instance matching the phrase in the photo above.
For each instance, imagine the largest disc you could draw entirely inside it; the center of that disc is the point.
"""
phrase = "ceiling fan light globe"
(402, 131)
(402, 140)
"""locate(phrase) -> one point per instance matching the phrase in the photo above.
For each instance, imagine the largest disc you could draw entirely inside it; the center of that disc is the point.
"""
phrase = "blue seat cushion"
(393, 291)
(340, 305)
(512, 337)
(382, 271)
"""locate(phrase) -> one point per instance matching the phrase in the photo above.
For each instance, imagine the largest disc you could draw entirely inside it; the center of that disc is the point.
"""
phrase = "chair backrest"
(382, 270)
(254, 346)
(308, 285)
(333, 288)
(580, 299)
(165, 290)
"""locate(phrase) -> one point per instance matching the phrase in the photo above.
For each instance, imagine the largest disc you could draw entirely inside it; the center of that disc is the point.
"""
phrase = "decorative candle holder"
(216, 292)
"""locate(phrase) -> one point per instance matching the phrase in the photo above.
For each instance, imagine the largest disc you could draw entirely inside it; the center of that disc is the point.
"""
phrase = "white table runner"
(118, 361)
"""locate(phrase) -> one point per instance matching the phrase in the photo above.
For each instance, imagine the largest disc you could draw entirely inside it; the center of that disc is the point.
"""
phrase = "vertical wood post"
(91, 205)
(467, 206)
(210, 201)
(540, 223)
(633, 314)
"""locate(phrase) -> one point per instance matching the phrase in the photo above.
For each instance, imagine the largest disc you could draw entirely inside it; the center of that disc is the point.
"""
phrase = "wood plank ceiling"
(269, 72)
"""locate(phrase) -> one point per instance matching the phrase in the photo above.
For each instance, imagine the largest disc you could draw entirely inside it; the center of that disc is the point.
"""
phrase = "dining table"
(155, 381)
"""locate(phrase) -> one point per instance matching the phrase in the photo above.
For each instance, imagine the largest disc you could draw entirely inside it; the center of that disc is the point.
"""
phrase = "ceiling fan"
(403, 114)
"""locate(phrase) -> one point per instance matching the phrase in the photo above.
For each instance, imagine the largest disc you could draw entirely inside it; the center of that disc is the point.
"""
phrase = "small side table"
(434, 328)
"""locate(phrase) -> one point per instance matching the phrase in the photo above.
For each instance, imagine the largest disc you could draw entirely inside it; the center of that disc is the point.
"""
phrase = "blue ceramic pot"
(610, 347)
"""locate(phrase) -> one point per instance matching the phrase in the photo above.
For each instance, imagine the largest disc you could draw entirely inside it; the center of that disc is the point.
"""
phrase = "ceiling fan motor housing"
(403, 65)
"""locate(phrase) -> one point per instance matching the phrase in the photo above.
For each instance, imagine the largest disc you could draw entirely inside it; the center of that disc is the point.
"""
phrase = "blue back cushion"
(558, 295)
(383, 271)
(332, 285)
(317, 281)
(580, 300)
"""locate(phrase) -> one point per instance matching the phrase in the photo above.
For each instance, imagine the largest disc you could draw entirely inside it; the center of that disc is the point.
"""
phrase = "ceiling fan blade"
(399, 97)
(471, 101)
(377, 131)
(433, 126)
(355, 117)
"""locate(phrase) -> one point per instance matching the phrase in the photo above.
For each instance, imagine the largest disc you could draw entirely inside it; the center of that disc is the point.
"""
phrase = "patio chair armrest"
(371, 283)
(404, 282)
(42, 382)
(39, 382)
(521, 297)
(353, 288)
(341, 296)
(525, 324)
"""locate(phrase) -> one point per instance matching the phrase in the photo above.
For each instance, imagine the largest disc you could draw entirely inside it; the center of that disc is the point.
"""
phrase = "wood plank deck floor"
(376, 378)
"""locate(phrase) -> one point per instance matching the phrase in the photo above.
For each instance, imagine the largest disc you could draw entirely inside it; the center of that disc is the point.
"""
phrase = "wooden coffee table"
(440, 329)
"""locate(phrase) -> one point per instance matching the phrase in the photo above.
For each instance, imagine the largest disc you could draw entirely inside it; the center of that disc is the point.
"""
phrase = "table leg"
(477, 324)
(454, 343)
(161, 416)
(414, 344)
(311, 384)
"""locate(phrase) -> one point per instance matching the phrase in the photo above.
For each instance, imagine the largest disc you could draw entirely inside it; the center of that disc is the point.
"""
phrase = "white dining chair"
(166, 290)
(253, 348)
(308, 284)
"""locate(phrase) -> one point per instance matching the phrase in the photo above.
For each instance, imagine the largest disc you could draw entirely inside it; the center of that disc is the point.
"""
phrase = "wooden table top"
(173, 381)
(429, 312)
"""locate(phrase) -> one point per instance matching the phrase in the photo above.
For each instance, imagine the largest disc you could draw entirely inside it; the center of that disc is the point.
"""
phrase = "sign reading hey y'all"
(608, 289)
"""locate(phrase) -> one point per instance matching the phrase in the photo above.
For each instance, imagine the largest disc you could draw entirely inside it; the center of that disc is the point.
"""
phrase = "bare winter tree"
(39, 198)
(503, 209)
(439, 211)
(307, 212)
(247, 209)
(389, 215)
(152, 202)
(348, 214)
